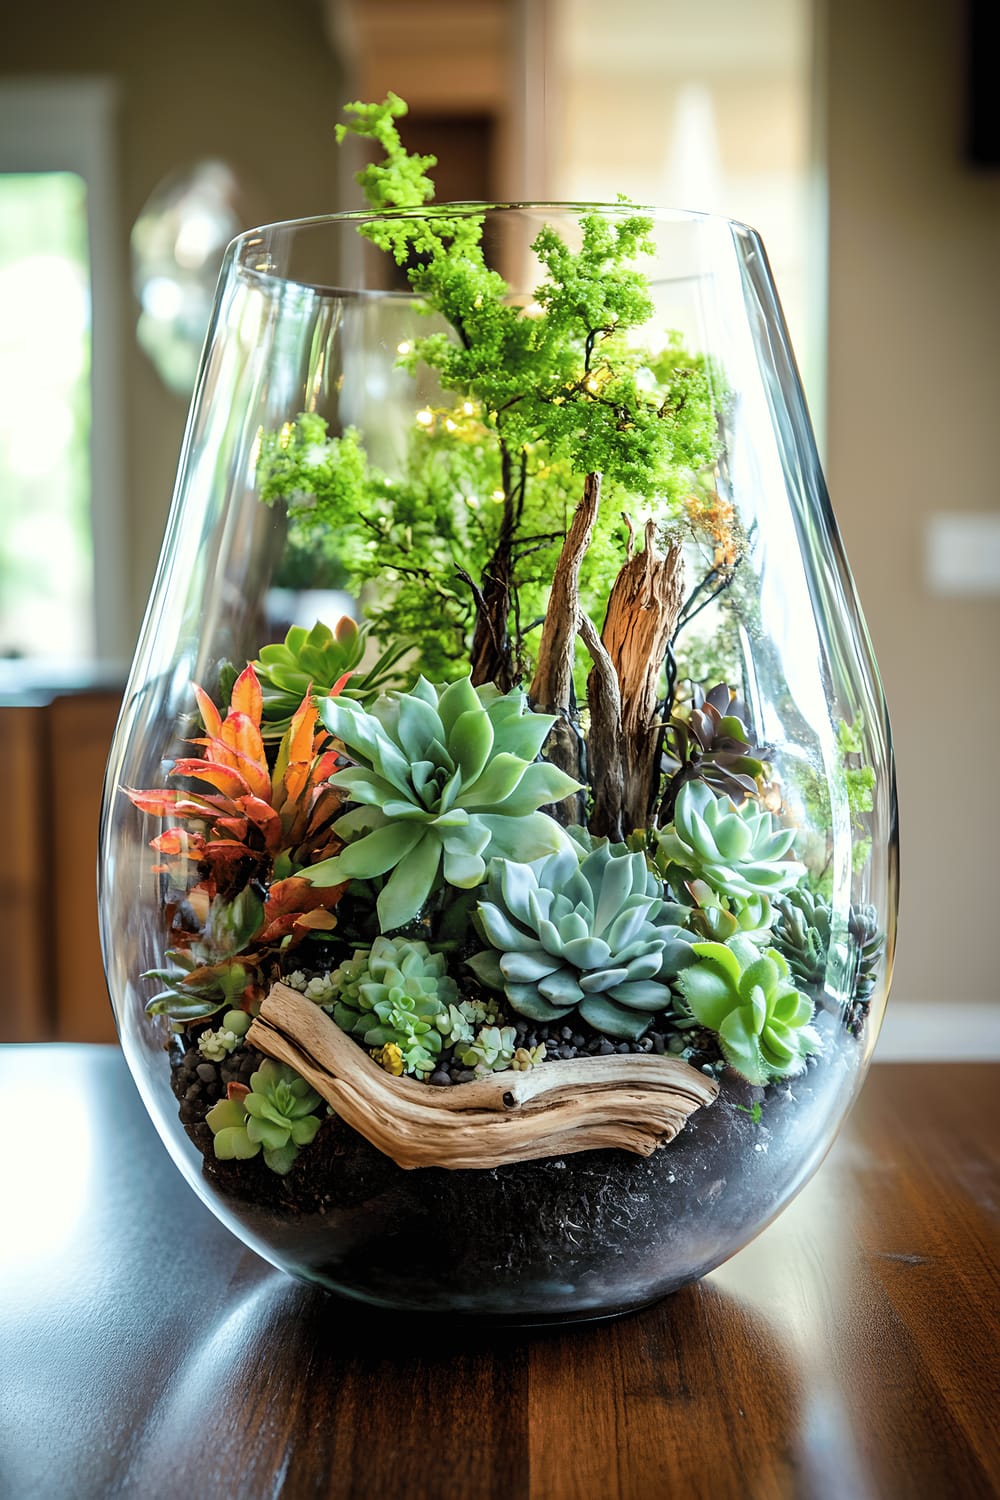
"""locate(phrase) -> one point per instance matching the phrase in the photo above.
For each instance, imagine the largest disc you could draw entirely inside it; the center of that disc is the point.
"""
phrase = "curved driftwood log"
(633, 1102)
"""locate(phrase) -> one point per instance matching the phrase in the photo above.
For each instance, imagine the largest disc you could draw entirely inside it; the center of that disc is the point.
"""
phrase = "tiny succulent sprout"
(492, 1051)
(216, 1045)
(445, 777)
(275, 1116)
(526, 1058)
(746, 997)
(320, 661)
(459, 1022)
(591, 935)
(735, 850)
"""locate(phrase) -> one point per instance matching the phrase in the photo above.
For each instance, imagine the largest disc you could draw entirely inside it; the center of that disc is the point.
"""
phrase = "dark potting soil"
(572, 1236)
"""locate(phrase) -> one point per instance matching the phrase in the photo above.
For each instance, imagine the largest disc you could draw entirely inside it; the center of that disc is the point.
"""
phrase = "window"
(61, 527)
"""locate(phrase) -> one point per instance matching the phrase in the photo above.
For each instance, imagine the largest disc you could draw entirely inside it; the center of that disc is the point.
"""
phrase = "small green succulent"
(718, 918)
(492, 1051)
(736, 850)
(318, 659)
(747, 999)
(590, 935)
(216, 1045)
(276, 1116)
(397, 992)
(446, 777)
(458, 1023)
(802, 934)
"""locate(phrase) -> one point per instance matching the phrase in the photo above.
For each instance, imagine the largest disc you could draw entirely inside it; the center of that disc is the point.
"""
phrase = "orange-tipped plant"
(233, 860)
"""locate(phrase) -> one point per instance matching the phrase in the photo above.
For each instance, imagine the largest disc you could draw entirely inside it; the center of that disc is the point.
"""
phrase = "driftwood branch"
(606, 769)
(552, 685)
(634, 1102)
(641, 618)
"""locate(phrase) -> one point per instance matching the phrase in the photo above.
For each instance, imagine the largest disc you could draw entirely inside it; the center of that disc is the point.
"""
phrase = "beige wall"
(252, 82)
(914, 395)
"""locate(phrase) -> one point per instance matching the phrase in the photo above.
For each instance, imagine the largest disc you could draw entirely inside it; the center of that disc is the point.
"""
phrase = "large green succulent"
(397, 992)
(318, 659)
(276, 1116)
(735, 849)
(589, 935)
(447, 778)
(746, 997)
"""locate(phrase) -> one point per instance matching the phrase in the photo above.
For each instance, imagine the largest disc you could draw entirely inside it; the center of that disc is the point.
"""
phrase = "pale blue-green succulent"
(589, 935)
(276, 1116)
(447, 778)
(746, 997)
(736, 850)
(396, 992)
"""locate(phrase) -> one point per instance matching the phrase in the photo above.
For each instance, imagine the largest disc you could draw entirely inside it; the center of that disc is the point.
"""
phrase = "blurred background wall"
(839, 130)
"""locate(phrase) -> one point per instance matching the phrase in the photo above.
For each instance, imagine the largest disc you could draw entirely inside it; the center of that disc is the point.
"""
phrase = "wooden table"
(851, 1351)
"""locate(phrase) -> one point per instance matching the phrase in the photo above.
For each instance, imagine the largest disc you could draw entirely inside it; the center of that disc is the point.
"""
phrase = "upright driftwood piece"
(607, 772)
(634, 1102)
(552, 685)
(643, 607)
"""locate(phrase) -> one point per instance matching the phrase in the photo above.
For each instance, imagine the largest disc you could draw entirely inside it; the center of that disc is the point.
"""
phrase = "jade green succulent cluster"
(396, 993)
(277, 1117)
(586, 934)
(747, 998)
(736, 850)
(445, 777)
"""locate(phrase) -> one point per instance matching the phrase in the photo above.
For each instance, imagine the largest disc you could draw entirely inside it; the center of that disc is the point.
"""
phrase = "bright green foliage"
(318, 659)
(852, 780)
(446, 777)
(492, 1051)
(544, 394)
(276, 1116)
(734, 849)
(590, 936)
(397, 992)
(400, 181)
(747, 999)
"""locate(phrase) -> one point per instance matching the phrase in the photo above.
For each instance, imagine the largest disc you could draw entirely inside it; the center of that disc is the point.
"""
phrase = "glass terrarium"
(498, 852)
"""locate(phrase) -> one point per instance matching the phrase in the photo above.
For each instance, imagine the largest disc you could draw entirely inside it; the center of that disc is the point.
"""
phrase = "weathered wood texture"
(850, 1353)
(632, 1103)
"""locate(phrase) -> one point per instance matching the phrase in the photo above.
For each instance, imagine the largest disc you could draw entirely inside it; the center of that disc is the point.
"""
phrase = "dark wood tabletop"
(850, 1351)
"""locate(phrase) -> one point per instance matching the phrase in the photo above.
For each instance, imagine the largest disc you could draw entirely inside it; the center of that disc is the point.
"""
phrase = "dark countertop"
(851, 1351)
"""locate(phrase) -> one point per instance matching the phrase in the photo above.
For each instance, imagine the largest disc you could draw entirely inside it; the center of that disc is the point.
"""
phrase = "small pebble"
(604, 1047)
(440, 1079)
(623, 1047)
(659, 1045)
(206, 1072)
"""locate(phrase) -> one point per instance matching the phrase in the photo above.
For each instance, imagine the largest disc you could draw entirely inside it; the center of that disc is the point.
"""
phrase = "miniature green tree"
(555, 406)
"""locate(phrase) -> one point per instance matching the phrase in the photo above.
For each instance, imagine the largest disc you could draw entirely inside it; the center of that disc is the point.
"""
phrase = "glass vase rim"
(467, 208)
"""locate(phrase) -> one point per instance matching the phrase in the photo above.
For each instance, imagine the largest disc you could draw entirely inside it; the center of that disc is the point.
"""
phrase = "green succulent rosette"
(276, 1117)
(446, 777)
(589, 935)
(736, 850)
(746, 997)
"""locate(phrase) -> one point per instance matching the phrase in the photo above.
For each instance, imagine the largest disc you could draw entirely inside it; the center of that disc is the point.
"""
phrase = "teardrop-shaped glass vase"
(498, 852)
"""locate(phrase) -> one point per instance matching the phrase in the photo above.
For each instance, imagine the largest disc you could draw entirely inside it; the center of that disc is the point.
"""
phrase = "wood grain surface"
(850, 1351)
